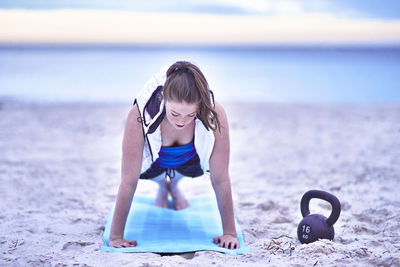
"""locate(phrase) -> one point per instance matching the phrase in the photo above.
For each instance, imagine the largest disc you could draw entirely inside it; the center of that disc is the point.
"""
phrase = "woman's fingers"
(128, 244)
(234, 245)
(121, 243)
(228, 242)
(132, 243)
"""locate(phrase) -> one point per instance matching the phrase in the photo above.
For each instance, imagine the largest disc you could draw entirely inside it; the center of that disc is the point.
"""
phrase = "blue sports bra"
(174, 156)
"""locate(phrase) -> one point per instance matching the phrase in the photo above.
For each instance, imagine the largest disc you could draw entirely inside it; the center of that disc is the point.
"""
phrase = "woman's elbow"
(220, 180)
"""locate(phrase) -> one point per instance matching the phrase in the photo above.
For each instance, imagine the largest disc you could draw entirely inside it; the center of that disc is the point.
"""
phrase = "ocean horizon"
(326, 74)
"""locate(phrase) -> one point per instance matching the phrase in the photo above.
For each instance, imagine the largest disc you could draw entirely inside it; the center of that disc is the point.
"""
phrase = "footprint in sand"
(246, 204)
(268, 205)
(373, 216)
(76, 245)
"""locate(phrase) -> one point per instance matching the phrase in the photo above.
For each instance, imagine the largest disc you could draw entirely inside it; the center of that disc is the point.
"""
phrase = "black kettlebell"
(316, 226)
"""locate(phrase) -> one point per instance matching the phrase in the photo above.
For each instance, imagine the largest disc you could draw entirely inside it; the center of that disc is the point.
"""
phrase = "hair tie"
(181, 68)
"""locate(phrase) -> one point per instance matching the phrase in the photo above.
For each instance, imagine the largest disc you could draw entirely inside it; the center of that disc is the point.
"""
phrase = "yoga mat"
(163, 230)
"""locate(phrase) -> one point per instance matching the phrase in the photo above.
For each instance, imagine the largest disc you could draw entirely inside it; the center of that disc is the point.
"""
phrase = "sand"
(60, 165)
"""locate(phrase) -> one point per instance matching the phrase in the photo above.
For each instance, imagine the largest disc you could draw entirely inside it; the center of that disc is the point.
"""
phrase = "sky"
(201, 21)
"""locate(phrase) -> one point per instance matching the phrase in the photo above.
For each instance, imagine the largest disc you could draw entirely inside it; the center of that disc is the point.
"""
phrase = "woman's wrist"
(232, 234)
(115, 237)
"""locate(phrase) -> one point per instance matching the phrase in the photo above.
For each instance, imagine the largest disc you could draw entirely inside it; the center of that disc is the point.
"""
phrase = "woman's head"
(186, 93)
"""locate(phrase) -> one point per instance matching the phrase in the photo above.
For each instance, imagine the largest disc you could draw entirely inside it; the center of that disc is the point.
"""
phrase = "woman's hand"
(227, 241)
(122, 243)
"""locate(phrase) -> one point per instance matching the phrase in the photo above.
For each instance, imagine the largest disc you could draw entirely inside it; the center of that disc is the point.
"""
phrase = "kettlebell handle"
(305, 203)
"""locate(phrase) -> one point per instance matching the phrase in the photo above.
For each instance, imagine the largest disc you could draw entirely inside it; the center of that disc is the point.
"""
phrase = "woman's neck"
(172, 136)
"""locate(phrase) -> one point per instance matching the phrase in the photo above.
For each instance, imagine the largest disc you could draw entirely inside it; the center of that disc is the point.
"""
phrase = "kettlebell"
(316, 226)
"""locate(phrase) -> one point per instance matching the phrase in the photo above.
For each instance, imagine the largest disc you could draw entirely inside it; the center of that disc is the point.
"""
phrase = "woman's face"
(180, 114)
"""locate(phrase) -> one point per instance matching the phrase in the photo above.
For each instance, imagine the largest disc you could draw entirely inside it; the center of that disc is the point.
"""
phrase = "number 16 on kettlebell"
(316, 226)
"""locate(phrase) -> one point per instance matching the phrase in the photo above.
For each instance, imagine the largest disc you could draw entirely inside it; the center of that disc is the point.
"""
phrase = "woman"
(175, 130)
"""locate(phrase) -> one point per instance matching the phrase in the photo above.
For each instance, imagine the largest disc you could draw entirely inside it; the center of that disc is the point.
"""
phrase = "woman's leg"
(171, 186)
(178, 199)
(163, 190)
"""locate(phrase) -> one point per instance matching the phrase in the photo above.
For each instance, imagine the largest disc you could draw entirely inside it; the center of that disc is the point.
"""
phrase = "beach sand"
(60, 171)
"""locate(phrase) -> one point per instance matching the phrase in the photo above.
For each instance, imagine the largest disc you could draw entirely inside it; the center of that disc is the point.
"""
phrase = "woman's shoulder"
(219, 109)
(133, 117)
(223, 131)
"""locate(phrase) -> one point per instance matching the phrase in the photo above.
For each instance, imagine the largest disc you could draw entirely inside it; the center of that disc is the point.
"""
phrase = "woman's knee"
(176, 179)
(160, 179)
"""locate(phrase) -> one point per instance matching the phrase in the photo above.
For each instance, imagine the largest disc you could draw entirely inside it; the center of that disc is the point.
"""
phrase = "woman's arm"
(132, 152)
(219, 171)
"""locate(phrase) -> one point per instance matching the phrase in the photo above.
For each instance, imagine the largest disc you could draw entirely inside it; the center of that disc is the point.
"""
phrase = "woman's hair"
(186, 83)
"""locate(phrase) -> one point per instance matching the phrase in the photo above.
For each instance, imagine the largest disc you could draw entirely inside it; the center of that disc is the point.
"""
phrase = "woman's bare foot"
(179, 201)
(162, 195)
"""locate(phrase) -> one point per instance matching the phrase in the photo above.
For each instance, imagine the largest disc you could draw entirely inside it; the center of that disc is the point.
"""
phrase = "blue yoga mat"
(163, 230)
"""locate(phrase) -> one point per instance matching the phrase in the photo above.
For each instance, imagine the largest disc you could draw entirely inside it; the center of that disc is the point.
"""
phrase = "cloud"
(105, 26)
(388, 9)
(255, 7)
(283, 7)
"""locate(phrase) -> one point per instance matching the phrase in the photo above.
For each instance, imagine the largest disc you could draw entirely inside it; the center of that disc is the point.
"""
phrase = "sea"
(282, 74)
